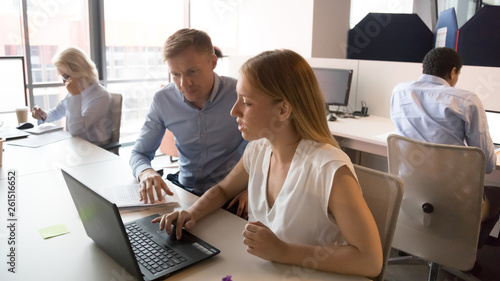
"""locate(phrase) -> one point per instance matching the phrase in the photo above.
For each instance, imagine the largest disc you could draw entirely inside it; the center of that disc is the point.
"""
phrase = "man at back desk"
(433, 110)
(196, 109)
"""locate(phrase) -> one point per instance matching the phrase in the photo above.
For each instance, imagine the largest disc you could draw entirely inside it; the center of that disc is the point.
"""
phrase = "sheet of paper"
(53, 231)
(128, 196)
(441, 37)
(41, 140)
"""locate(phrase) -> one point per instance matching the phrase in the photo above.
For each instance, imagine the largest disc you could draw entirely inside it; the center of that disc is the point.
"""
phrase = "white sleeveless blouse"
(300, 212)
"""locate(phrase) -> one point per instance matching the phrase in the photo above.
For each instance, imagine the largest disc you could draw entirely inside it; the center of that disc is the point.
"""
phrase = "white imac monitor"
(335, 84)
(12, 79)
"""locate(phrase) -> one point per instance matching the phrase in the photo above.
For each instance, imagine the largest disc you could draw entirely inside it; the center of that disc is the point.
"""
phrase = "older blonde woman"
(87, 104)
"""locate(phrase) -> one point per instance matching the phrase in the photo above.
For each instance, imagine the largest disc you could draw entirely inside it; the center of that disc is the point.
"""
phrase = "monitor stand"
(345, 115)
(341, 111)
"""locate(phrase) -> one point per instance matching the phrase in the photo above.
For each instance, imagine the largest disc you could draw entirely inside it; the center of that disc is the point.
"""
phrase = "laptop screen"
(103, 224)
(494, 125)
(157, 253)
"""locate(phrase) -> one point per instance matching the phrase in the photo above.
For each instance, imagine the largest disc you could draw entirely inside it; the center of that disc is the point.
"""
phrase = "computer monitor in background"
(335, 84)
(13, 86)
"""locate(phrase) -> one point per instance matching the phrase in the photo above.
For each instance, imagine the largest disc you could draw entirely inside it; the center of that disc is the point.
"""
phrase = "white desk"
(367, 134)
(44, 200)
(62, 154)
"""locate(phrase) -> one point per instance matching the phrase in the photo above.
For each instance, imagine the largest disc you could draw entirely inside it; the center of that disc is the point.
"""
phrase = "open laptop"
(494, 127)
(144, 251)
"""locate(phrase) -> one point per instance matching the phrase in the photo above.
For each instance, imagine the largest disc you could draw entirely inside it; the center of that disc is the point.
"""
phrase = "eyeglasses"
(64, 77)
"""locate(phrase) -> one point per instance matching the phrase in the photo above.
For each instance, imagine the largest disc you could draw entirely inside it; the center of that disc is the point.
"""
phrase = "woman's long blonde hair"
(284, 75)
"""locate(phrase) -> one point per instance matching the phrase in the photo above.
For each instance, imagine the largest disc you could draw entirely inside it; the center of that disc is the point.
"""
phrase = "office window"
(54, 25)
(220, 20)
(135, 32)
(42, 68)
(49, 97)
(11, 42)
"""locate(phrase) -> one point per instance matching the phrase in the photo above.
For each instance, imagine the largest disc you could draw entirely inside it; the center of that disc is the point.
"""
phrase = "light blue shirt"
(208, 140)
(431, 110)
(88, 115)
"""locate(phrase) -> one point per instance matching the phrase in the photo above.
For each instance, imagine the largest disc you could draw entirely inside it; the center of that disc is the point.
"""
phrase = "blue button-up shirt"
(431, 110)
(208, 140)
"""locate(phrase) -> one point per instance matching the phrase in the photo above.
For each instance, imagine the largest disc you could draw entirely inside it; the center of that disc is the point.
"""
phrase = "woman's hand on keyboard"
(180, 219)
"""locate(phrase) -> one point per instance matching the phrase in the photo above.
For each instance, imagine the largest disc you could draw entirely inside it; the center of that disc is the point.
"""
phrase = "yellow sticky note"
(53, 231)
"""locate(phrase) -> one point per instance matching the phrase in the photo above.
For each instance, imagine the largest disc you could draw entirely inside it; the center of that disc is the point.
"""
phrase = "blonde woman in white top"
(305, 204)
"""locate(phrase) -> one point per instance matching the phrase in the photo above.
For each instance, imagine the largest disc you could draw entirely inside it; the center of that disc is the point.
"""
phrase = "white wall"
(234, 64)
(275, 24)
(330, 27)
(484, 81)
(426, 10)
(360, 8)
(250, 27)
(377, 79)
(373, 81)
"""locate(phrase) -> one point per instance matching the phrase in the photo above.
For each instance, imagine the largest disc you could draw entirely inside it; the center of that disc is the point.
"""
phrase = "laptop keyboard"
(148, 253)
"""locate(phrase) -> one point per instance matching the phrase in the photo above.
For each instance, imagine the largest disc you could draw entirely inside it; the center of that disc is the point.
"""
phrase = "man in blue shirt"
(196, 109)
(433, 110)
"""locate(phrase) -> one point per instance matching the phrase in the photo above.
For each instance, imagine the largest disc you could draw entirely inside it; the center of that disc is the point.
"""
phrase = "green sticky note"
(53, 231)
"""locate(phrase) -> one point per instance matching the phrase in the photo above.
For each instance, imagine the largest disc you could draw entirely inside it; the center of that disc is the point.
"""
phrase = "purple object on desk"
(227, 278)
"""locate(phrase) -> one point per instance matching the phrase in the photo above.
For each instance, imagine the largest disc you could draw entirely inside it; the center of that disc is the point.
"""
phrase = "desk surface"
(44, 200)
(66, 153)
(367, 134)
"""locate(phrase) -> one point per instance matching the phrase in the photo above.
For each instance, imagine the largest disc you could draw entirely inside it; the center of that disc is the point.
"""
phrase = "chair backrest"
(440, 214)
(167, 145)
(116, 116)
(383, 193)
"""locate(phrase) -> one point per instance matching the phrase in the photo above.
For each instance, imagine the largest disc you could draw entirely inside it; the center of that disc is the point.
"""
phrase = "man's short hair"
(440, 61)
(185, 38)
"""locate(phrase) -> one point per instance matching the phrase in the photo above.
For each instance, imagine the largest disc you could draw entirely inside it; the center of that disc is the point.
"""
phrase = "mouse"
(331, 117)
(26, 125)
